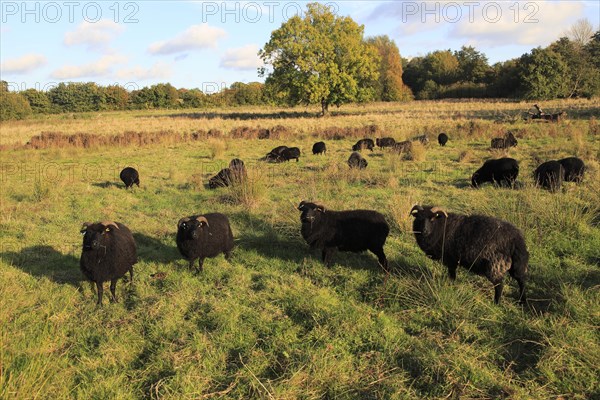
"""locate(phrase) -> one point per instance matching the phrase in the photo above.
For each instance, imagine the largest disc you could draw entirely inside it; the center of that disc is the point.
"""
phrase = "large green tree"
(389, 86)
(320, 58)
(12, 105)
(543, 75)
(472, 65)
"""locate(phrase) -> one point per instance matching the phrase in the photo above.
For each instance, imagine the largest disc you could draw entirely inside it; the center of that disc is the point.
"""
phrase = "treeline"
(81, 97)
(567, 68)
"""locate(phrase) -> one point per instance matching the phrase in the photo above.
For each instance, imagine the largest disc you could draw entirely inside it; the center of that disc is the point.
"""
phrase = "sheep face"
(191, 229)
(311, 212)
(427, 219)
(96, 236)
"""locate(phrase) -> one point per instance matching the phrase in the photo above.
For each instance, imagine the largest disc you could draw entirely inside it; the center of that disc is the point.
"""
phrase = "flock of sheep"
(483, 245)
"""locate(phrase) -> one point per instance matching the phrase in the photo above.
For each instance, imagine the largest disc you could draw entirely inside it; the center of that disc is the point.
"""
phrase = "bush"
(13, 106)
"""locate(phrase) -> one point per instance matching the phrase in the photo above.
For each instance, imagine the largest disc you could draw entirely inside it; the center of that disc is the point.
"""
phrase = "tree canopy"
(320, 58)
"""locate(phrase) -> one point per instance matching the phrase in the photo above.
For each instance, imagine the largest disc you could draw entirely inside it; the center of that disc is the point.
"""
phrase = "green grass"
(274, 322)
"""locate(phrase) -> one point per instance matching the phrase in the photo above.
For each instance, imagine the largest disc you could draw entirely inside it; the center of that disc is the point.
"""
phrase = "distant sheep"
(503, 171)
(202, 236)
(549, 175)
(442, 139)
(130, 176)
(352, 230)
(483, 245)
(291, 153)
(108, 252)
(509, 140)
(403, 147)
(235, 173)
(424, 139)
(385, 142)
(319, 148)
(574, 169)
(276, 155)
(363, 144)
(356, 160)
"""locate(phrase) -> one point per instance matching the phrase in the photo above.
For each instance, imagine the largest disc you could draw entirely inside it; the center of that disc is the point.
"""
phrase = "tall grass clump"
(417, 152)
(216, 148)
(248, 192)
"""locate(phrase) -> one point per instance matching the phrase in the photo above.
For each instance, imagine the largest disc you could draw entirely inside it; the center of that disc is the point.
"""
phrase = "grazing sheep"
(276, 155)
(291, 153)
(549, 175)
(202, 236)
(442, 139)
(403, 147)
(108, 252)
(385, 142)
(574, 169)
(484, 245)
(501, 171)
(319, 148)
(352, 230)
(424, 139)
(363, 144)
(509, 140)
(356, 160)
(235, 173)
(130, 176)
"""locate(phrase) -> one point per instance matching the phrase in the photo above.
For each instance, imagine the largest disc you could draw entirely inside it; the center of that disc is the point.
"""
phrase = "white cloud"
(96, 36)
(157, 71)
(196, 37)
(540, 23)
(242, 58)
(23, 64)
(100, 68)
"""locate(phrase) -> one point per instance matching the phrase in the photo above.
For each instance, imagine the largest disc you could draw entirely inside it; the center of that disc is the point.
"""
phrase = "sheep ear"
(415, 210)
(84, 227)
(181, 221)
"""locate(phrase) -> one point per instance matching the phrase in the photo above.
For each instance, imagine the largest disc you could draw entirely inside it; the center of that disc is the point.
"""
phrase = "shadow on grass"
(243, 116)
(108, 184)
(47, 262)
(150, 249)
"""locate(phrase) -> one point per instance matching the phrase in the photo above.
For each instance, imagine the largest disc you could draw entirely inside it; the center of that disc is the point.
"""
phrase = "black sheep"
(108, 252)
(276, 155)
(442, 139)
(319, 148)
(385, 142)
(484, 245)
(363, 144)
(503, 171)
(234, 174)
(574, 169)
(291, 153)
(202, 236)
(352, 230)
(356, 160)
(130, 176)
(509, 140)
(402, 147)
(549, 175)
(424, 139)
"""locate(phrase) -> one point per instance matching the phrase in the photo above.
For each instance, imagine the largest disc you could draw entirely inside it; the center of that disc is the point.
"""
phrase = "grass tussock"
(216, 148)
(417, 152)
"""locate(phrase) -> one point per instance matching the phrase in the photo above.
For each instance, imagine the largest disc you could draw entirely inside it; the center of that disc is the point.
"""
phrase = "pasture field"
(273, 322)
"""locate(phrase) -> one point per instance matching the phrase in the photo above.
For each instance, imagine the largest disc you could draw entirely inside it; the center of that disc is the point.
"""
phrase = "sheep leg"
(227, 255)
(131, 274)
(200, 265)
(452, 272)
(100, 291)
(381, 258)
(522, 297)
(498, 286)
(327, 255)
(113, 286)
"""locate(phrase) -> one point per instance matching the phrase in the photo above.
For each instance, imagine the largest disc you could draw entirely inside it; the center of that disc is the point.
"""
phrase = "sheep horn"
(202, 219)
(319, 207)
(182, 220)
(436, 210)
(109, 223)
(84, 226)
(415, 207)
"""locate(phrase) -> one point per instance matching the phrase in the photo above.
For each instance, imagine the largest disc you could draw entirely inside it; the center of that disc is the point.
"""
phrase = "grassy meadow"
(273, 322)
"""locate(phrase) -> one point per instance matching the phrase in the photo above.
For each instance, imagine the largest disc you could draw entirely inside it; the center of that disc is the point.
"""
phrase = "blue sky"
(212, 44)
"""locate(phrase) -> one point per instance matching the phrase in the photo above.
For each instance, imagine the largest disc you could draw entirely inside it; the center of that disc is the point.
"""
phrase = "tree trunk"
(324, 107)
